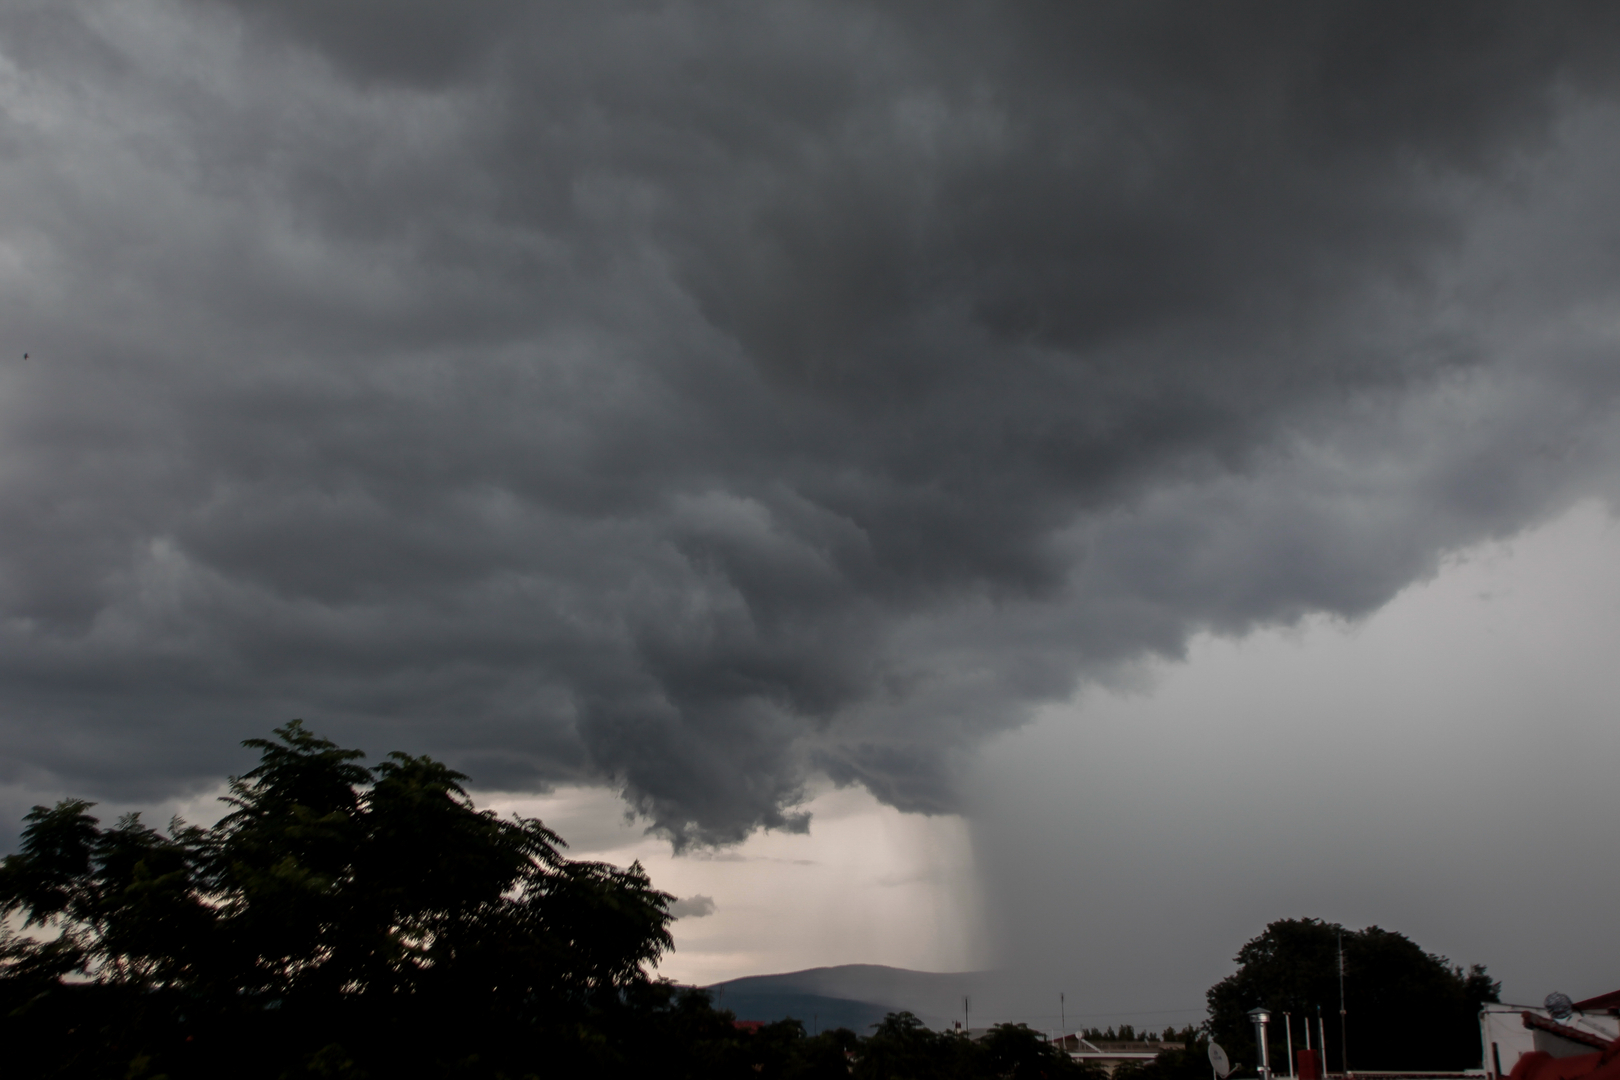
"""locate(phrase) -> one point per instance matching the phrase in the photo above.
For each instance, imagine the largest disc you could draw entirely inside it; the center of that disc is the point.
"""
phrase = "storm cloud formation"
(702, 397)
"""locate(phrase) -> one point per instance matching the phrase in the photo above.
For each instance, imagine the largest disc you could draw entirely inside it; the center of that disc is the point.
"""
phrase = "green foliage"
(1128, 1033)
(1389, 983)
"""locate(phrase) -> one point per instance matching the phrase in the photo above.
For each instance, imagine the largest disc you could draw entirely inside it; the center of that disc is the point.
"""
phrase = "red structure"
(1539, 1065)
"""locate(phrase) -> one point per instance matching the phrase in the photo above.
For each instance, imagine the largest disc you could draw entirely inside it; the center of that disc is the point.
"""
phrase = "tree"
(825, 1056)
(1185, 1057)
(337, 914)
(1406, 1009)
(902, 1048)
(1017, 1053)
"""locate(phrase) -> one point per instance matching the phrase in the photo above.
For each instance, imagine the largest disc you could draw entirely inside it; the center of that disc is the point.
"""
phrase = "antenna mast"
(1344, 1046)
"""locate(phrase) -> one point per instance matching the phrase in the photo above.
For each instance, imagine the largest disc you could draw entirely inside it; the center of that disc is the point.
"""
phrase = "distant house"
(1507, 1032)
(1110, 1054)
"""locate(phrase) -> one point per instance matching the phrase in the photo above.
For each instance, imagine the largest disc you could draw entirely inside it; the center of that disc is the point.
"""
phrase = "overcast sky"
(748, 408)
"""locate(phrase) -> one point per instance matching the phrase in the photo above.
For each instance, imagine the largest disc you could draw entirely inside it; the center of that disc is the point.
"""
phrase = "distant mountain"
(859, 995)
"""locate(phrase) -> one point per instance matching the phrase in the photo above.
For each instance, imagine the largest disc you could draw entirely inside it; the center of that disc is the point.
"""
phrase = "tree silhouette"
(345, 914)
(1406, 1009)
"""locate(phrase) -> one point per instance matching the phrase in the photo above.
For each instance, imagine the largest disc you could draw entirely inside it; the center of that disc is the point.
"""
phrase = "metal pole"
(967, 1024)
(1321, 1030)
(1262, 1039)
(1288, 1026)
(1344, 1043)
(1063, 1017)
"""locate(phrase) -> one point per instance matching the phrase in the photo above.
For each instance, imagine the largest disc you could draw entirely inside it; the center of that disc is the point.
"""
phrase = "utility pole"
(1344, 1045)
(1063, 1017)
(1288, 1029)
(967, 1024)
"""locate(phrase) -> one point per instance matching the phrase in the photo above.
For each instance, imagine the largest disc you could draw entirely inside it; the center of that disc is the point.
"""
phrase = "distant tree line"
(1128, 1033)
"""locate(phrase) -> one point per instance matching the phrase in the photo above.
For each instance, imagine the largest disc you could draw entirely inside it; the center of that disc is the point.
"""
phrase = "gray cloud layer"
(697, 397)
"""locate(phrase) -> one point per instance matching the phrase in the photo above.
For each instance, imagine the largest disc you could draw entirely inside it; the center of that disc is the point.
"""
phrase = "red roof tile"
(1564, 1031)
(1601, 1003)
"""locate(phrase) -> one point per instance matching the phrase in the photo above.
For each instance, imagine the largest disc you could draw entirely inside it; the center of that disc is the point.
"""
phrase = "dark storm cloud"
(698, 396)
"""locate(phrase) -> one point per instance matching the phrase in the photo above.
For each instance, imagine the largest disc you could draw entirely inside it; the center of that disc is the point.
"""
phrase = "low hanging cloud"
(692, 907)
(701, 398)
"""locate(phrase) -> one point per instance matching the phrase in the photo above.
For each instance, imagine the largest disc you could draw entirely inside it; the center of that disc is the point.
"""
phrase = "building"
(1508, 1032)
(1110, 1054)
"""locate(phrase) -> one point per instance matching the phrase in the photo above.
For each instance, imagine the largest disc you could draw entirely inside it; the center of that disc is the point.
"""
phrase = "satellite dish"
(1559, 1005)
(1218, 1059)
